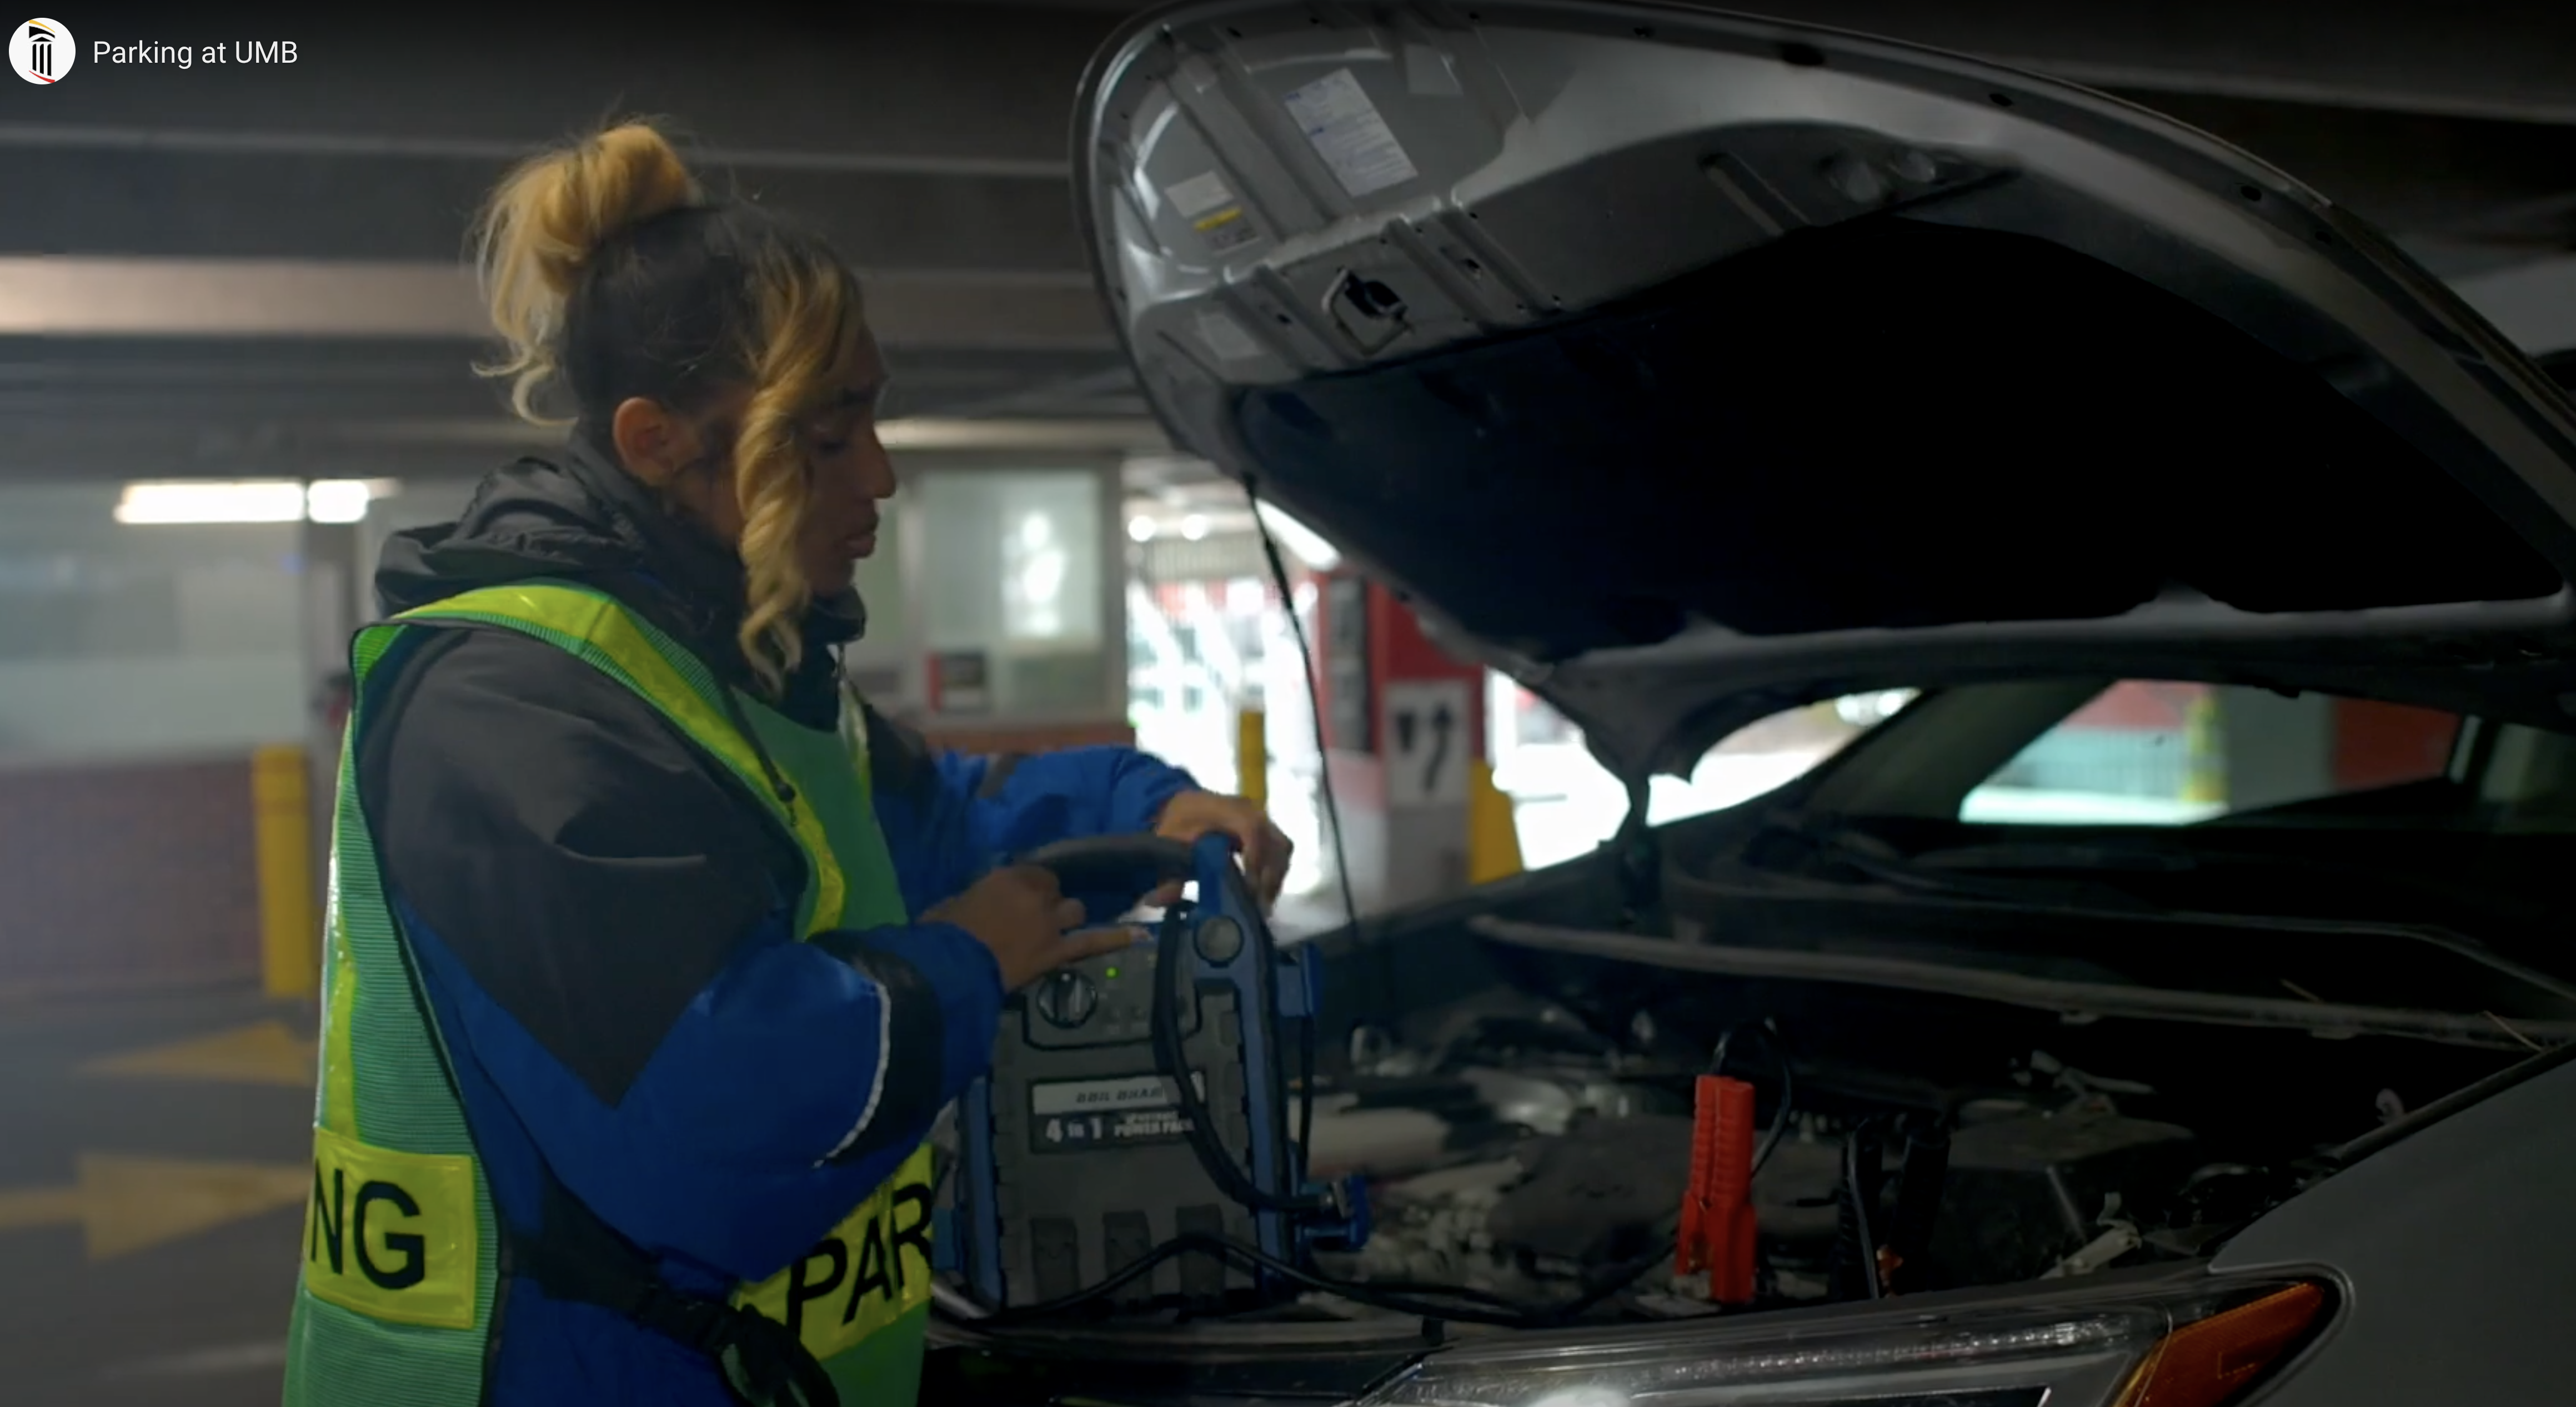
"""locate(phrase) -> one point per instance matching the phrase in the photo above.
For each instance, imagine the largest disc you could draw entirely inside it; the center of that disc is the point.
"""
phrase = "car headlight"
(2201, 1344)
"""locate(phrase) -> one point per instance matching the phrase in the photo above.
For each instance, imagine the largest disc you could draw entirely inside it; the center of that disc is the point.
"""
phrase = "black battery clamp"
(1139, 1103)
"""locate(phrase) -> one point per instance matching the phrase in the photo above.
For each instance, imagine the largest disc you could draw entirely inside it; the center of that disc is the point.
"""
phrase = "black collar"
(696, 581)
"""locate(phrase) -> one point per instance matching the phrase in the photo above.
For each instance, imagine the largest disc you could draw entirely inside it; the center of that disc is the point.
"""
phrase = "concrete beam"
(159, 195)
(1139, 435)
(927, 135)
(2421, 56)
(927, 87)
(464, 447)
(2414, 57)
(220, 141)
(2534, 304)
(236, 386)
(987, 89)
(109, 297)
(190, 194)
(2432, 178)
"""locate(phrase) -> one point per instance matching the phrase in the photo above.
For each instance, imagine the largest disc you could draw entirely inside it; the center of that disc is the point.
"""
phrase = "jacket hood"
(577, 517)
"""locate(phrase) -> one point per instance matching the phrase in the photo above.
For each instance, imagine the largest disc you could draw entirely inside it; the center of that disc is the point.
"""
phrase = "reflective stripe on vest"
(400, 1239)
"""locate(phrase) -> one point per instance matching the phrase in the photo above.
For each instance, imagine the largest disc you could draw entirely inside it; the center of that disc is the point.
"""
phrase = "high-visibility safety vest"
(401, 1246)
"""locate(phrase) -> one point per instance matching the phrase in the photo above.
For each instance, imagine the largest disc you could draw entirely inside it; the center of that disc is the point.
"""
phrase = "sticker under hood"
(1687, 365)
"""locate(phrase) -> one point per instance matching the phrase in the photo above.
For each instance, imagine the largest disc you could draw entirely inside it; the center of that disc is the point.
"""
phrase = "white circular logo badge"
(42, 50)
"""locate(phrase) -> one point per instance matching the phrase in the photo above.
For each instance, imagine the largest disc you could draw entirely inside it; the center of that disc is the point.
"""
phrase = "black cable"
(1856, 1249)
(1117, 1280)
(1324, 782)
(1621, 1277)
(1402, 1297)
(1616, 1280)
(1920, 1183)
(1171, 960)
(1779, 1045)
(1628, 1274)
(1305, 1082)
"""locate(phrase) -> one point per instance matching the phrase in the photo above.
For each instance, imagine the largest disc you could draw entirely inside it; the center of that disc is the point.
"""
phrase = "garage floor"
(152, 1184)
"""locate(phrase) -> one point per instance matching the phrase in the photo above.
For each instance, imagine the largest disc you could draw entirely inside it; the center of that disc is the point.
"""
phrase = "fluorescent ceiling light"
(1042, 436)
(250, 501)
(1124, 436)
(278, 502)
(1141, 529)
(337, 500)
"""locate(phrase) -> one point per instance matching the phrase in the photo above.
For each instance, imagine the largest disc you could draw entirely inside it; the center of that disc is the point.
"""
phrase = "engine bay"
(1519, 1124)
(1521, 1168)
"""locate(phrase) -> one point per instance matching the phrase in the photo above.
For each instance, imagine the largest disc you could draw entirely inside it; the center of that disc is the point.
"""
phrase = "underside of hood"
(1687, 365)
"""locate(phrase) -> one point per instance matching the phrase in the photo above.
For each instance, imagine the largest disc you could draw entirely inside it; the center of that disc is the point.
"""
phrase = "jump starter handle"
(1095, 863)
(1115, 862)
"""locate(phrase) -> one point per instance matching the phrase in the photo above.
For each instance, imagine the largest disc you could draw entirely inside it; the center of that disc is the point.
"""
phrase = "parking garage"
(239, 327)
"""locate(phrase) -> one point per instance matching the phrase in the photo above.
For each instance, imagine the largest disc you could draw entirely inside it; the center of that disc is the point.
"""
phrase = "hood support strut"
(1635, 858)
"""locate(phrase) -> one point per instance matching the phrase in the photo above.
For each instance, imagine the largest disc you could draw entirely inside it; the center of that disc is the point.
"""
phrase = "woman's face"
(851, 475)
(849, 472)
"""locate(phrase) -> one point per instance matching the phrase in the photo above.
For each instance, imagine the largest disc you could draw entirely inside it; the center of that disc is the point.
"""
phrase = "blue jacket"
(602, 921)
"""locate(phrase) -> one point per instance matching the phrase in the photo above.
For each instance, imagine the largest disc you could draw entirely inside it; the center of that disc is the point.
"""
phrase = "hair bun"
(590, 194)
(547, 219)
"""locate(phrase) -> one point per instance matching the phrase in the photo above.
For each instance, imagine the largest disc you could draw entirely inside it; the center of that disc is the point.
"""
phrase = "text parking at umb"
(236, 53)
(42, 51)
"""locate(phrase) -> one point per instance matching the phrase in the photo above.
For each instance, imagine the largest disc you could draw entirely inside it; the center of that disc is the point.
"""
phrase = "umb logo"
(42, 50)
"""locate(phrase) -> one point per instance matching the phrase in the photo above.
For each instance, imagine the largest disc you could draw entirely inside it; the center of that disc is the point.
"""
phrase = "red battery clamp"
(1717, 1230)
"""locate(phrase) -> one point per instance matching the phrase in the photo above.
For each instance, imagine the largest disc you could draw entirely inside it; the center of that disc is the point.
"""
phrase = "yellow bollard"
(1252, 756)
(2204, 752)
(1493, 836)
(282, 837)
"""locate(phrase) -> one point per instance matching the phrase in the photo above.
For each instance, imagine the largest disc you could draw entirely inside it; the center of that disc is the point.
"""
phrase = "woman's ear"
(652, 443)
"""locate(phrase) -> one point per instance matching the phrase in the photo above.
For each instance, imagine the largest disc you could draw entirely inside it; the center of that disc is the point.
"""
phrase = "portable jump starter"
(1075, 1157)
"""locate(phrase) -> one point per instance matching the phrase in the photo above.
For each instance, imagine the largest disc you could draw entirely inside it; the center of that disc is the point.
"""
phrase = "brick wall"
(126, 876)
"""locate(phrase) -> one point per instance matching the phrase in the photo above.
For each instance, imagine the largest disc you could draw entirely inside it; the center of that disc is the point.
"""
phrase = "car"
(1693, 369)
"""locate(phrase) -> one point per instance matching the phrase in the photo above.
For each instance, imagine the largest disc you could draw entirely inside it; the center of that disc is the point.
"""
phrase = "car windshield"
(2153, 752)
(1565, 803)
(2172, 754)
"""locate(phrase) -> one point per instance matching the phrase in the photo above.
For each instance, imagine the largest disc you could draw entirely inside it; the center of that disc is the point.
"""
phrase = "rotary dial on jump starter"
(1067, 999)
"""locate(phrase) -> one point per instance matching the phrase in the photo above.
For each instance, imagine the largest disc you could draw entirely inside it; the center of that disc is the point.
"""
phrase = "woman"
(654, 951)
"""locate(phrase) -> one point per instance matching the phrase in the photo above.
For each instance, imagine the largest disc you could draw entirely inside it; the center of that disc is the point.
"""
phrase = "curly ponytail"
(810, 320)
(548, 220)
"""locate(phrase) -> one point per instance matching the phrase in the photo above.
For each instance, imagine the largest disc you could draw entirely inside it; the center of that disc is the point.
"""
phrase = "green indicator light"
(1112, 974)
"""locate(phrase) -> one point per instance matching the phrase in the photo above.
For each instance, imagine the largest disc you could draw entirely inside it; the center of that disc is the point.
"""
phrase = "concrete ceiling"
(244, 269)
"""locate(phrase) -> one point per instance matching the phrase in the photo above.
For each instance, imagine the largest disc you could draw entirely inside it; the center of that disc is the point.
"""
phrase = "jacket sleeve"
(609, 918)
(949, 817)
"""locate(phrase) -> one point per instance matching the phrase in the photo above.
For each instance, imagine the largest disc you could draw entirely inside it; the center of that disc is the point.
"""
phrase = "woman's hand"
(1022, 915)
(1262, 848)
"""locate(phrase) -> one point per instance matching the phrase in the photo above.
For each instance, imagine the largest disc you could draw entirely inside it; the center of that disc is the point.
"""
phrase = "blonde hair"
(606, 267)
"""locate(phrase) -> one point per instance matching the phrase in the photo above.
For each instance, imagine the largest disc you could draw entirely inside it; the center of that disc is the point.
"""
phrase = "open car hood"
(1686, 366)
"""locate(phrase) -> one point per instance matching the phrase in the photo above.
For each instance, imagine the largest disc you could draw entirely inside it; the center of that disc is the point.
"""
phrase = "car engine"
(1527, 1160)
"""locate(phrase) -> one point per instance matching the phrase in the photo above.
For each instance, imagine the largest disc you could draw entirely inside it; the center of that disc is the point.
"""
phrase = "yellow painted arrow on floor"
(262, 1054)
(124, 1205)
